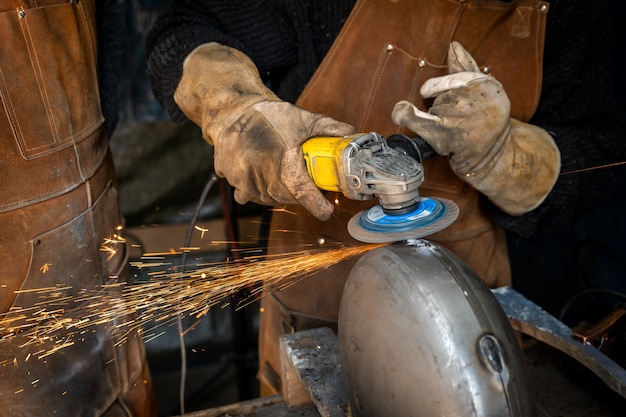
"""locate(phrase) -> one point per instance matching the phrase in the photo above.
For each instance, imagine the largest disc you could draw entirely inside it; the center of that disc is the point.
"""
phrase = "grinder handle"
(322, 158)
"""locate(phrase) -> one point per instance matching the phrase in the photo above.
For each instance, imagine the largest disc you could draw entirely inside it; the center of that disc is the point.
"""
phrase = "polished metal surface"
(421, 335)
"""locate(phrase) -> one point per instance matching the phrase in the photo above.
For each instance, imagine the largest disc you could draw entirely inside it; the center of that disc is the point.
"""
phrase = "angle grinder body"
(366, 165)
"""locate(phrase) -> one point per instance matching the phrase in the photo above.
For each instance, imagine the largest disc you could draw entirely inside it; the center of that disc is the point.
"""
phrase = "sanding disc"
(431, 215)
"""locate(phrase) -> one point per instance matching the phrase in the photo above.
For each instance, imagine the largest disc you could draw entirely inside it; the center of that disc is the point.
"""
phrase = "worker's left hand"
(515, 164)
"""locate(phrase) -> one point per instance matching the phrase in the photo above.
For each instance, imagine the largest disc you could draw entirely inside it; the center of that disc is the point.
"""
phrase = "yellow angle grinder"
(366, 165)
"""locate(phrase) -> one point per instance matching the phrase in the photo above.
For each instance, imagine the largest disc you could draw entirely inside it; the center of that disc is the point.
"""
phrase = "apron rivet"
(421, 63)
(21, 13)
(36, 242)
(389, 47)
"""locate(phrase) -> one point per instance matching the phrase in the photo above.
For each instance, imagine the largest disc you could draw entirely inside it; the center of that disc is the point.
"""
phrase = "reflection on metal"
(421, 335)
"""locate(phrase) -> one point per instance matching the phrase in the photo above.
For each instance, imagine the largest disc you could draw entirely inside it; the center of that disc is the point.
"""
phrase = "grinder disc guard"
(431, 215)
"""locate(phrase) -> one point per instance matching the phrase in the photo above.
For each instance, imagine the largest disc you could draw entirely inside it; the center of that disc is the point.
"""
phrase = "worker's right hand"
(256, 136)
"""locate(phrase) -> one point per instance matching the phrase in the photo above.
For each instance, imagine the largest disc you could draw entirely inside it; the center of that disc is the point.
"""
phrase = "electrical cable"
(581, 255)
(231, 231)
(589, 291)
(239, 321)
(181, 334)
(585, 282)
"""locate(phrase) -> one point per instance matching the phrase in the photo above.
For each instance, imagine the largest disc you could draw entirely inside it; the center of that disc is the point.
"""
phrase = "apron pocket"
(51, 94)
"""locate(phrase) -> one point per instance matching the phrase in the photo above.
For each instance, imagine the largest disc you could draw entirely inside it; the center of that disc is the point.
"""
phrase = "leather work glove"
(256, 136)
(514, 164)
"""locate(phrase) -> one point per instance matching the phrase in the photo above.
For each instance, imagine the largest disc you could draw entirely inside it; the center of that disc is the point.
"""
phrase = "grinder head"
(391, 171)
(377, 225)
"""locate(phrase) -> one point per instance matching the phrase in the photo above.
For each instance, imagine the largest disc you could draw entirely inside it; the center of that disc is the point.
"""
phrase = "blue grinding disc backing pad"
(431, 215)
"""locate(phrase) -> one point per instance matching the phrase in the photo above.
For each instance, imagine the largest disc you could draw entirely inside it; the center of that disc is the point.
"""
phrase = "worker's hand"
(256, 136)
(515, 164)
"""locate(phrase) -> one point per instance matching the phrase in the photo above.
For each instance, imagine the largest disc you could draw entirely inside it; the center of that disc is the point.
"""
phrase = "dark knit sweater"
(287, 40)
(110, 26)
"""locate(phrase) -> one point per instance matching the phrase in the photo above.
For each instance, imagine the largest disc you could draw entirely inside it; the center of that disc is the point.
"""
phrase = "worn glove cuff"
(523, 171)
(218, 84)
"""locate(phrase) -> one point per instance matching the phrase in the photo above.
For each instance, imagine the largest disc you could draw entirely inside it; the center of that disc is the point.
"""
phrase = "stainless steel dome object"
(421, 335)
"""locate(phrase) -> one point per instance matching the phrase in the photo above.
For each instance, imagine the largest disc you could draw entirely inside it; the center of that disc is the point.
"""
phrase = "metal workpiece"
(528, 318)
(420, 334)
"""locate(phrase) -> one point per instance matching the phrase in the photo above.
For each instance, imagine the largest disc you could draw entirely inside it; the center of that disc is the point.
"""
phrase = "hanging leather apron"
(58, 204)
(384, 53)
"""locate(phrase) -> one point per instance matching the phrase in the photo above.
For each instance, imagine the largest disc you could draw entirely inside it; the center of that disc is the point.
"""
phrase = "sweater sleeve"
(579, 108)
(187, 24)
(110, 26)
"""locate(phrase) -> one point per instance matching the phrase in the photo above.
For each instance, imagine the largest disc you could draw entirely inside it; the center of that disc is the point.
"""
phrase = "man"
(60, 226)
(504, 90)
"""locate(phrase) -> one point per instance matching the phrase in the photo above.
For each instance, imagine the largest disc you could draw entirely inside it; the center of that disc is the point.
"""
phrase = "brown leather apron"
(58, 204)
(384, 53)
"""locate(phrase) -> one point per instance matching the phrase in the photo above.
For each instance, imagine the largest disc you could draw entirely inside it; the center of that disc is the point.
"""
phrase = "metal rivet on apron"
(421, 63)
(36, 242)
(321, 241)
(21, 13)
(389, 47)
(486, 70)
(543, 7)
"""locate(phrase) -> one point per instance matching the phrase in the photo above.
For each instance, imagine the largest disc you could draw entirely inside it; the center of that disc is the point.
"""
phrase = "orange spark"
(168, 294)
(202, 231)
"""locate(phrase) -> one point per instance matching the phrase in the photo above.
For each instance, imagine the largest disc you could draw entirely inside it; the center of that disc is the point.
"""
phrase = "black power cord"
(181, 334)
